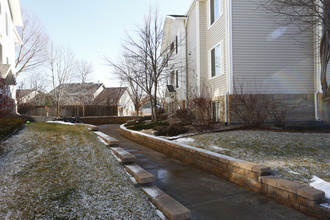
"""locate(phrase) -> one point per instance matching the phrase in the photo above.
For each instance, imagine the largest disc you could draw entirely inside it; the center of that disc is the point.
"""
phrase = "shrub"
(277, 111)
(184, 116)
(202, 113)
(145, 125)
(171, 130)
(9, 125)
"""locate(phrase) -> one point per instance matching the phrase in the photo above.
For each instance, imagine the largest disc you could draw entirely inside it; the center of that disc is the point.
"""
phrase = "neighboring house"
(78, 93)
(118, 96)
(10, 16)
(145, 109)
(223, 47)
(24, 96)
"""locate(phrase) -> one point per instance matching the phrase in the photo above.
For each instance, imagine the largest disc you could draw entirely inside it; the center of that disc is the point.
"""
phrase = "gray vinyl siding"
(216, 34)
(267, 56)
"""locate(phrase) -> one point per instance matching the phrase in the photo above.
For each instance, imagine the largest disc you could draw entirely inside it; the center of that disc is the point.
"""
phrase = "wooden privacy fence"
(69, 110)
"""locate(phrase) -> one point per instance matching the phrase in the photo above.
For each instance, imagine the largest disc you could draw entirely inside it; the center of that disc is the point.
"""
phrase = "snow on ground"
(320, 184)
(61, 122)
(218, 148)
(324, 186)
(185, 140)
(293, 156)
(45, 175)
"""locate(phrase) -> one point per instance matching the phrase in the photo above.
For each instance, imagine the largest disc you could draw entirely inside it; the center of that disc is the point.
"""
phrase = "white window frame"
(221, 9)
(220, 45)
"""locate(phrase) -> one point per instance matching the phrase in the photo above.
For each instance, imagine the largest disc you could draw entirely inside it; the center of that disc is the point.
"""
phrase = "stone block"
(261, 169)
(278, 193)
(311, 193)
(269, 180)
(288, 185)
(171, 208)
(237, 170)
(109, 140)
(123, 155)
(314, 211)
(141, 175)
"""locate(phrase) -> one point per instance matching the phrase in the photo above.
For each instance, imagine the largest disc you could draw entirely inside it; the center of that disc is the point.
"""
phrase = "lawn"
(54, 171)
(293, 156)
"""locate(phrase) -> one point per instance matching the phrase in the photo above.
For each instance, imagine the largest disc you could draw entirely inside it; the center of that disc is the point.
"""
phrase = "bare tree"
(32, 53)
(310, 15)
(150, 62)
(84, 70)
(63, 66)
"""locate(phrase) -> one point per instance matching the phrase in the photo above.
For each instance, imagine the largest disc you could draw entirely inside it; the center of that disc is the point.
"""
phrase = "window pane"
(177, 79)
(215, 10)
(216, 61)
(213, 62)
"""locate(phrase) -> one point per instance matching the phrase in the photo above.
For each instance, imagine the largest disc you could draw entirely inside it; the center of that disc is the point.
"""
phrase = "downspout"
(187, 66)
(226, 109)
(229, 61)
(317, 63)
(316, 107)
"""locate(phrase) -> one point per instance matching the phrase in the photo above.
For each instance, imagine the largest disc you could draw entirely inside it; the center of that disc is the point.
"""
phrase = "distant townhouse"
(118, 96)
(10, 16)
(224, 47)
(78, 93)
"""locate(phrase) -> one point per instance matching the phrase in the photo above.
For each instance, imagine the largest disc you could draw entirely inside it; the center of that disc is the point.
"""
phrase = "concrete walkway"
(207, 196)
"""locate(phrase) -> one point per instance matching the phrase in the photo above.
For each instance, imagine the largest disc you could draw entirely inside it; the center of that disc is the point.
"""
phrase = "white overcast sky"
(93, 29)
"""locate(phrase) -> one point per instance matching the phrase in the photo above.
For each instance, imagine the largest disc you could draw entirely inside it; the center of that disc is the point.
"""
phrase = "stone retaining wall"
(249, 175)
(108, 120)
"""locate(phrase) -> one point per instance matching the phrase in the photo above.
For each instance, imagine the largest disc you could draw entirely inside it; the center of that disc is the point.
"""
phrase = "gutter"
(316, 107)
(226, 108)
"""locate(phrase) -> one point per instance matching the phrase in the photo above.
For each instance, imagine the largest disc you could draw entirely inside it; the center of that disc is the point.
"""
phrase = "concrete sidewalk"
(207, 196)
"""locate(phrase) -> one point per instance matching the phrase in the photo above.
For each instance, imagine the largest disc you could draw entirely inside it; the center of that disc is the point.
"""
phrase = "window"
(216, 60)
(177, 43)
(215, 10)
(216, 111)
(177, 79)
(172, 78)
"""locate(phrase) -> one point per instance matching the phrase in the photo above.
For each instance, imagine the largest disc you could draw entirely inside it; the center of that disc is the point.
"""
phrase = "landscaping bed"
(56, 171)
(293, 156)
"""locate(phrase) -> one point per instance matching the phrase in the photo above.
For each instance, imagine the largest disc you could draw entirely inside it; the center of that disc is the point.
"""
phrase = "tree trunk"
(57, 109)
(324, 56)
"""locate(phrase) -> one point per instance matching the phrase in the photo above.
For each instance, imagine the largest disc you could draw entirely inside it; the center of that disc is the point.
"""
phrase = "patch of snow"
(161, 215)
(290, 171)
(152, 192)
(185, 140)
(218, 148)
(60, 122)
(102, 141)
(322, 185)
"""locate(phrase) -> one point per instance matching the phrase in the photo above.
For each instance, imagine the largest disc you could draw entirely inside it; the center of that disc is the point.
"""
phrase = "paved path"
(207, 196)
